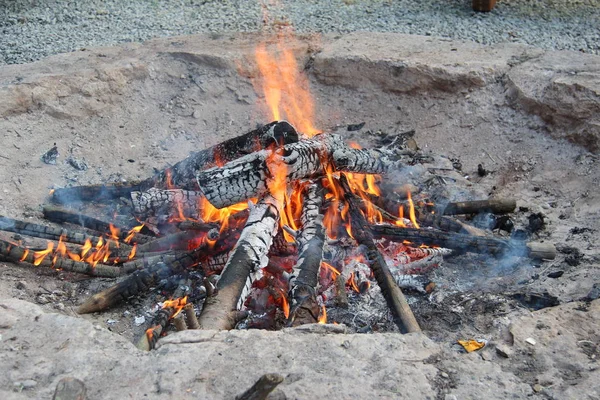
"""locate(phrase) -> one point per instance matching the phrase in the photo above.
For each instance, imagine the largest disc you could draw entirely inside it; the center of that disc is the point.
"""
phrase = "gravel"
(32, 29)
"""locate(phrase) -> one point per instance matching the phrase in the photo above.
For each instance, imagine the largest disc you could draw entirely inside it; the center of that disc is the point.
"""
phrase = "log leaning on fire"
(16, 254)
(183, 174)
(60, 215)
(247, 176)
(467, 243)
(247, 257)
(52, 233)
(390, 290)
(304, 308)
(141, 281)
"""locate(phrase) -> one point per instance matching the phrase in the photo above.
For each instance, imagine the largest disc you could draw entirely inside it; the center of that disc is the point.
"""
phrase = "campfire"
(277, 227)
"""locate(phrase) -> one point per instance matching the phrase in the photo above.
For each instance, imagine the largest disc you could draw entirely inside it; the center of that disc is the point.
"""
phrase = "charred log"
(60, 215)
(390, 290)
(190, 316)
(247, 177)
(16, 254)
(304, 307)
(247, 257)
(466, 243)
(52, 233)
(496, 206)
(183, 174)
(166, 202)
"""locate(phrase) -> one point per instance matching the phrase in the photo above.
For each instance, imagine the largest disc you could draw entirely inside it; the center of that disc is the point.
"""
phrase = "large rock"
(563, 88)
(412, 64)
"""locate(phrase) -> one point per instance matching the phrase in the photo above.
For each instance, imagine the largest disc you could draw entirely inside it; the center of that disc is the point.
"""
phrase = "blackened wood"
(466, 243)
(261, 389)
(60, 215)
(304, 307)
(247, 177)
(53, 233)
(341, 297)
(140, 282)
(176, 241)
(496, 206)
(17, 254)
(148, 341)
(247, 257)
(166, 202)
(390, 290)
(182, 174)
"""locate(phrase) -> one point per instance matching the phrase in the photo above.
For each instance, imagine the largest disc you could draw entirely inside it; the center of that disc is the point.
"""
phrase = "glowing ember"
(329, 267)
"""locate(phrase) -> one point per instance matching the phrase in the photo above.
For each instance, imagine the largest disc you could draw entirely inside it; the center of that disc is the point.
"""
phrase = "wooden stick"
(247, 257)
(179, 322)
(468, 243)
(496, 206)
(261, 389)
(390, 290)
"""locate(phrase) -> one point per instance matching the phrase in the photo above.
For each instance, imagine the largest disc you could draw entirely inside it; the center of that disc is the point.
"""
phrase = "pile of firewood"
(160, 231)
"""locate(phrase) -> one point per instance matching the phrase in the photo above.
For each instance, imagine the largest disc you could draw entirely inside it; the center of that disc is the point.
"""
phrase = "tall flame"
(286, 90)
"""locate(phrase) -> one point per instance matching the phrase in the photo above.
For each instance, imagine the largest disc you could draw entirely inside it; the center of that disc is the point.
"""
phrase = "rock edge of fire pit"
(561, 87)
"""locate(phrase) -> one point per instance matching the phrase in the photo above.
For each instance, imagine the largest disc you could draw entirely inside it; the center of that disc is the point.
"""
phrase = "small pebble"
(530, 341)
(139, 320)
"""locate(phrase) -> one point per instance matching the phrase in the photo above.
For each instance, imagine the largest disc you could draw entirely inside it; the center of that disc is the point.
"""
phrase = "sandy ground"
(127, 110)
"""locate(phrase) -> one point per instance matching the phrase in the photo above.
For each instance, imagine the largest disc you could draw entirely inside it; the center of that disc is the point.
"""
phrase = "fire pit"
(401, 223)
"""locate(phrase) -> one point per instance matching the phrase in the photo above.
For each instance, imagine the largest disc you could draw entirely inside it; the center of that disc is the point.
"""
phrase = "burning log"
(176, 241)
(183, 174)
(390, 290)
(60, 215)
(468, 243)
(52, 233)
(164, 202)
(303, 300)
(247, 257)
(47, 258)
(496, 206)
(170, 309)
(261, 389)
(137, 283)
(151, 270)
(247, 177)
(179, 322)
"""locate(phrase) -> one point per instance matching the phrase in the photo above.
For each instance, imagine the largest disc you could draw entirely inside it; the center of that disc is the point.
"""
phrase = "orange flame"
(286, 90)
(25, 254)
(323, 315)
(329, 267)
(132, 232)
(38, 256)
(132, 253)
(177, 304)
(411, 212)
(210, 213)
(352, 283)
(285, 306)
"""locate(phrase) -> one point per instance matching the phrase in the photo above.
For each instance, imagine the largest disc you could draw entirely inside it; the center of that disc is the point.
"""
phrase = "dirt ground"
(526, 115)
